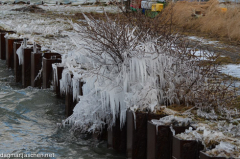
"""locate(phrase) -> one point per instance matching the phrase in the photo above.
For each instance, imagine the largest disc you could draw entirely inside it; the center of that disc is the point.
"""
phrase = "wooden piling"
(47, 67)
(50, 55)
(104, 134)
(36, 65)
(117, 137)
(17, 67)
(69, 102)
(137, 136)
(159, 140)
(186, 149)
(10, 52)
(59, 70)
(3, 44)
(26, 67)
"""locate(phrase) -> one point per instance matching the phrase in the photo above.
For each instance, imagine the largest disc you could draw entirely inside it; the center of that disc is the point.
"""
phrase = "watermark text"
(26, 155)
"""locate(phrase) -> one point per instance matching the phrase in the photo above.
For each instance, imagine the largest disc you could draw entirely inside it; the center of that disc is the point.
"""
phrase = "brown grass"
(215, 23)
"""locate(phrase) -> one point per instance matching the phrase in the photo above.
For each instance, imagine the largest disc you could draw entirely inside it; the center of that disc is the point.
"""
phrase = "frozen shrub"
(124, 66)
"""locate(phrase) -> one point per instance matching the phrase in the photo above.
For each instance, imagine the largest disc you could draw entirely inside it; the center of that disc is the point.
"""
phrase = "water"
(28, 124)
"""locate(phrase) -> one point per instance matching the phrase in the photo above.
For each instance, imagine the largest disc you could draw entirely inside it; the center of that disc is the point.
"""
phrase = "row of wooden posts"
(138, 140)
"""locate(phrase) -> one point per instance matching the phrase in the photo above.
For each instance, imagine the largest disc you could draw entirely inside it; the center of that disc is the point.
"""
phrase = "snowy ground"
(48, 32)
(202, 40)
(232, 70)
(225, 50)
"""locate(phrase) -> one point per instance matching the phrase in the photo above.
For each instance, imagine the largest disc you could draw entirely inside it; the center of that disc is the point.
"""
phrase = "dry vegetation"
(214, 22)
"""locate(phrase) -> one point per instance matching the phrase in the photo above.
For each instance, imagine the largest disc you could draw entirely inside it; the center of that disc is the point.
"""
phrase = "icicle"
(173, 131)
(34, 48)
(19, 52)
(25, 42)
(75, 85)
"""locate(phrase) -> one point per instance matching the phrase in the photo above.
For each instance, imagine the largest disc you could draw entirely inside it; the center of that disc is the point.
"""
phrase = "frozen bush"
(124, 67)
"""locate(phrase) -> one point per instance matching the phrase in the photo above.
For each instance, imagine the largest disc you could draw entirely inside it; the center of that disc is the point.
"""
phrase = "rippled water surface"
(28, 124)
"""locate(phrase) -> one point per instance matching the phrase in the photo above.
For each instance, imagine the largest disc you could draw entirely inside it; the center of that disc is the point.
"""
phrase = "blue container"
(143, 11)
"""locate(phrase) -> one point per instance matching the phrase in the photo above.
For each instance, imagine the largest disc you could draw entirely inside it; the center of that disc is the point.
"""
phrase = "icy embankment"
(71, 10)
(47, 32)
(44, 31)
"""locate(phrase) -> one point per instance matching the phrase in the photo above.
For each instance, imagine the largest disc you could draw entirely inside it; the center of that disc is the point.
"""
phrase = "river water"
(28, 124)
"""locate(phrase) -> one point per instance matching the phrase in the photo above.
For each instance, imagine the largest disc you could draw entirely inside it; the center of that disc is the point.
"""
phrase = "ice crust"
(172, 120)
(65, 82)
(13, 36)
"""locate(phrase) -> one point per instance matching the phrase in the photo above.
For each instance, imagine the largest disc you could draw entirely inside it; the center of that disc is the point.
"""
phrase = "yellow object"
(224, 10)
(157, 7)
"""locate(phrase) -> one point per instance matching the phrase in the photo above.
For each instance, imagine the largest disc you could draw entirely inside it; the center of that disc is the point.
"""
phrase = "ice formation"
(13, 36)
(204, 114)
(172, 120)
(55, 73)
(65, 82)
(19, 52)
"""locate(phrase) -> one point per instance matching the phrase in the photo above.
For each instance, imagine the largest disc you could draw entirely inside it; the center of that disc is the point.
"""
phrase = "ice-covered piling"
(48, 60)
(117, 137)
(36, 66)
(17, 67)
(57, 76)
(70, 101)
(160, 135)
